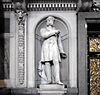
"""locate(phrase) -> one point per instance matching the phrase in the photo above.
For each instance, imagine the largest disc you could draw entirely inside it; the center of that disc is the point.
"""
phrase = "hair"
(50, 17)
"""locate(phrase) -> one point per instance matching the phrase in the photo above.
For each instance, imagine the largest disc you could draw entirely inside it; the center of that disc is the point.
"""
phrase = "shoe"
(50, 83)
(59, 83)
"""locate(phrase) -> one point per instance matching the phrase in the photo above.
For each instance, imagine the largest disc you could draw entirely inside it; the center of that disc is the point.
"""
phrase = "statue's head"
(50, 20)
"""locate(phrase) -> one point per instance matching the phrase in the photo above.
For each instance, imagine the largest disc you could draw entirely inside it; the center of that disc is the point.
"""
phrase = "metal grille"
(94, 44)
(94, 76)
(93, 31)
(94, 58)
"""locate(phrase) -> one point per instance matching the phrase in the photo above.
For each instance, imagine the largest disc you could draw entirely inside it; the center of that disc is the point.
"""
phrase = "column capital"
(20, 12)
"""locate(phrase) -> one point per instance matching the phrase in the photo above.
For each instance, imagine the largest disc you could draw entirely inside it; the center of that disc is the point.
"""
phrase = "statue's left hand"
(63, 55)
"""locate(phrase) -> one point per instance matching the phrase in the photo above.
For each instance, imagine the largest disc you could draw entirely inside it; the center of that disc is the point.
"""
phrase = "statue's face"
(50, 21)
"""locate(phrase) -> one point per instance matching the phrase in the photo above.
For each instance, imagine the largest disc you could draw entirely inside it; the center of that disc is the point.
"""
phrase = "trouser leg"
(57, 72)
(48, 71)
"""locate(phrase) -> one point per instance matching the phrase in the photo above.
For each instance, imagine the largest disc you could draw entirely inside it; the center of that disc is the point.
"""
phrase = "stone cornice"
(7, 6)
(51, 6)
(42, 6)
(79, 6)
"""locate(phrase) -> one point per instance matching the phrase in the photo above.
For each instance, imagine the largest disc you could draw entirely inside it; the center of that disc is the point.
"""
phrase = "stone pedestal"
(52, 89)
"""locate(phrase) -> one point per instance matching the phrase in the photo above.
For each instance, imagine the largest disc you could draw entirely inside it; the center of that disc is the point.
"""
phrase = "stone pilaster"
(20, 48)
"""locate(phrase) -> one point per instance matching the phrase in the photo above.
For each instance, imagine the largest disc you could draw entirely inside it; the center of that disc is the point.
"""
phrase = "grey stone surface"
(24, 91)
(52, 88)
(51, 94)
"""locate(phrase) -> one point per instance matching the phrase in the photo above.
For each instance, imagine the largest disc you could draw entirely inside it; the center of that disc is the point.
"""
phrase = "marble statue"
(51, 53)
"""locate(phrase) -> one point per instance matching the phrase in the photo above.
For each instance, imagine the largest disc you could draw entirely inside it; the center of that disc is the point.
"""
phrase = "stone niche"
(66, 22)
(64, 28)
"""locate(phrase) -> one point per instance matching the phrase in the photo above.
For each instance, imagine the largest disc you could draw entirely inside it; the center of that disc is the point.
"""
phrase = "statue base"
(52, 89)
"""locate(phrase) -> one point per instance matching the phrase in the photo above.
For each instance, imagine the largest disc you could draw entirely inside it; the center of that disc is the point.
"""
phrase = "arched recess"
(65, 29)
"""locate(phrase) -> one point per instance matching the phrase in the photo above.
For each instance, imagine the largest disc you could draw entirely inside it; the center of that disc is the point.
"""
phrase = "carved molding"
(96, 5)
(7, 6)
(78, 6)
(21, 18)
(50, 6)
(43, 6)
(21, 55)
(20, 14)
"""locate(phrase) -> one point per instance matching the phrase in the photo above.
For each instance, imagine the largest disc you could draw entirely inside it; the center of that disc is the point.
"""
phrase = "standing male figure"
(51, 52)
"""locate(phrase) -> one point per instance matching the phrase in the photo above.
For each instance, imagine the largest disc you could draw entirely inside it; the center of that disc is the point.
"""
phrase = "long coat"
(51, 49)
(52, 46)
